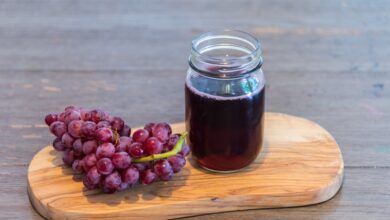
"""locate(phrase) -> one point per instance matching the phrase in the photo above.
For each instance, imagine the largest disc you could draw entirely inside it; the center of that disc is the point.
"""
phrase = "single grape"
(173, 139)
(61, 117)
(88, 184)
(78, 146)
(107, 117)
(140, 135)
(67, 140)
(103, 124)
(58, 128)
(58, 145)
(74, 128)
(125, 132)
(148, 177)
(94, 176)
(90, 146)
(162, 131)
(97, 115)
(167, 176)
(50, 118)
(153, 146)
(117, 123)
(140, 166)
(185, 150)
(85, 114)
(71, 115)
(88, 129)
(105, 166)
(68, 157)
(77, 166)
(104, 135)
(105, 150)
(121, 160)
(123, 186)
(177, 162)
(90, 160)
(149, 127)
(136, 150)
(112, 181)
(124, 144)
(130, 176)
(162, 167)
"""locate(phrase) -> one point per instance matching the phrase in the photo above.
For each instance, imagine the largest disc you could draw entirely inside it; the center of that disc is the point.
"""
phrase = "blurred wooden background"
(324, 60)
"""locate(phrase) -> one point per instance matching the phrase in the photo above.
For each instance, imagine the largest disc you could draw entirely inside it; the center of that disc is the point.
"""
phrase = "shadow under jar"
(224, 96)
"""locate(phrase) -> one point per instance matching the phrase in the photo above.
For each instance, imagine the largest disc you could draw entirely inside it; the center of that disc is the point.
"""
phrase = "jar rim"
(227, 33)
(225, 53)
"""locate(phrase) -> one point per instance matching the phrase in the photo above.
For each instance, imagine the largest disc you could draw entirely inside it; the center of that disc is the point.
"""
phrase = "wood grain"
(301, 164)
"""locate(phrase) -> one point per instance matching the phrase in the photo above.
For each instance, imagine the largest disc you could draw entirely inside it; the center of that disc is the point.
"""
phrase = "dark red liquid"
(224, 134)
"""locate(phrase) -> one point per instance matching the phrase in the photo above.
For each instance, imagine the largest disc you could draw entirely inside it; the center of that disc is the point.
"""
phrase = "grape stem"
(176, 149)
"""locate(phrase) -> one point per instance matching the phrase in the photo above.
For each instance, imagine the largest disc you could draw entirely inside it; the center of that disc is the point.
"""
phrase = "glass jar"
(224, 96)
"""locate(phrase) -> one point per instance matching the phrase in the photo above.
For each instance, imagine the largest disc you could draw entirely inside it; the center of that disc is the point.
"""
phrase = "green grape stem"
(175, 150)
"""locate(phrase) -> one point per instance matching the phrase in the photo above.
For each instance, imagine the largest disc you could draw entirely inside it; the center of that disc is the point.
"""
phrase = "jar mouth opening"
(242, 36)
(226, 53)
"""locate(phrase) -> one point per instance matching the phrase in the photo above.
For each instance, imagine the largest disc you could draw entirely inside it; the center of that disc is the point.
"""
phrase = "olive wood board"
(300, 164)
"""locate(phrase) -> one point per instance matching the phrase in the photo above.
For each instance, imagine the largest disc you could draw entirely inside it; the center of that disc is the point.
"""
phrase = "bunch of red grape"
(101, 146)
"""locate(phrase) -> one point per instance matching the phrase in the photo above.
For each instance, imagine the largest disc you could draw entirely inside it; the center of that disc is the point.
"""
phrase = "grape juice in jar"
(224, 98)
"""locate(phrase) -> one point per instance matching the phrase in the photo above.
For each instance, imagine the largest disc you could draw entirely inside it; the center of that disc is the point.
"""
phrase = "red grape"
(185, 150)
(153, 146)
(77, 166)
(177, 162)
(103, 124)
(104, 166)
(117, 123)
(67, 140)
(140, 135)
(85, 115)
(136, 150)
(58, 128)
(148, 177)
(68, 157)
(88, 184)
(87, 140)
(61, 117)
(90, 146)
(123, 186)
(166, 176)
(94, 176)
(162, 131)
(130, 175)
(104, 135)
(126, 131)
(149, 127)
(74, 128)
(173, 139)
(78, 145)
(112, 181)
(162, 167)
(58, 145)
(71, 115)
(88, 129)
(105, 150)
(121, 160)
(140, 166)
(50, 118)
(90, 160)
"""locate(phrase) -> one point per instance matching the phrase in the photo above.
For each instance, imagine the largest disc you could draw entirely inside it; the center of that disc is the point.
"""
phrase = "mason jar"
(224, 100)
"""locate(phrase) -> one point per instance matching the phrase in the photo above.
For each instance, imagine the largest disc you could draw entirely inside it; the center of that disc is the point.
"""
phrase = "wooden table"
(324, 60)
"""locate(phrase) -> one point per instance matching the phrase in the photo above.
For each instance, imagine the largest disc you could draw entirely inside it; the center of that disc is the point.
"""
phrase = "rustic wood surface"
(300, 164)
(324, 60)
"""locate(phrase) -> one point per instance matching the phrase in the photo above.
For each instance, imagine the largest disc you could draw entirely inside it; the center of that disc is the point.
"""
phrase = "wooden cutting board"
(300, 164)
